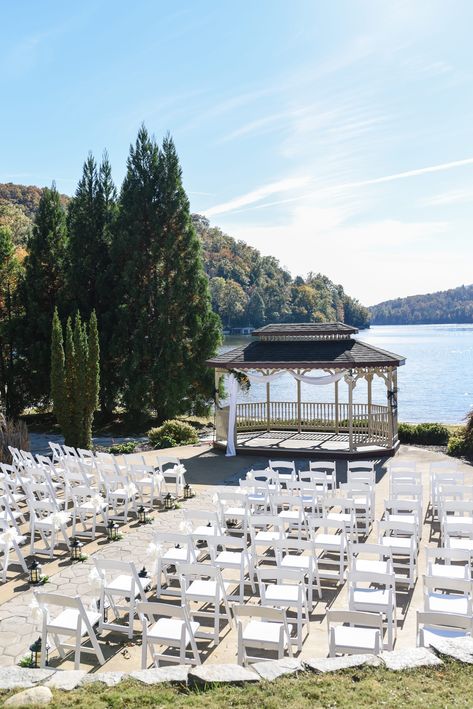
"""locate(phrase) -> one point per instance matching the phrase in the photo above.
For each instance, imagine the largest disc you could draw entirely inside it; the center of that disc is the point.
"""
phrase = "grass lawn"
(448, 686)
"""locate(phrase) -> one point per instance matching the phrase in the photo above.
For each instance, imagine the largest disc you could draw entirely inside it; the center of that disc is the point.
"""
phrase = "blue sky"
(336, 136)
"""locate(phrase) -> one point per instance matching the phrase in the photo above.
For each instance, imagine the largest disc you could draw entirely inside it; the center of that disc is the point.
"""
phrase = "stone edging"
(460, 649)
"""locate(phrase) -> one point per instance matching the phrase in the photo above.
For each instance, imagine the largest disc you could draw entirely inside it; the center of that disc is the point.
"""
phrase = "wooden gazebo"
(342, 429)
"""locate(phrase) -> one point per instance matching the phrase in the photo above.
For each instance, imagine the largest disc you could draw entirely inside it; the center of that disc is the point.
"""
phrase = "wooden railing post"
(337, 418)
(299, 423)
(268, 406)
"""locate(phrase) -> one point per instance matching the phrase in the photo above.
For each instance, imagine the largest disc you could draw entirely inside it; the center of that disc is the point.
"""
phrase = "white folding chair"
(264, 530)
(446, 595)
(181, 551)
(203, 584)
(378, 598)
(291, 511)
(231, 554)
(262, 628)
(10, 542)
(50, 523)
(168, 625)
(299, 554)
(369, 558)
(286, 588)
(73, 621)
(354, 632)
(435, 627)
(173, 471)
(121, 589)
(88, 509)
(401, 539)
(285, 469)
(233, 509)
(329, 468)
(330, 542)
(449, 563)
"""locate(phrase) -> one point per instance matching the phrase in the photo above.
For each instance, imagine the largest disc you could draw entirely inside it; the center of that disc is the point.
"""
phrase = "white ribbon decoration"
(329, 379)
(131, 489)
(9, 536)
(179, 469)
(153, 551)
(185, 527)
(98, 502)
(36, 613)
(96, 581)
(59, 519)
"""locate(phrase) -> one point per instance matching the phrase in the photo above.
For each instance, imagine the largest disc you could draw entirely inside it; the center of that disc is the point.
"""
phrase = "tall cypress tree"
(58, 393)
(43, 287)
(167, 328)
(91, 220)
(92, 379)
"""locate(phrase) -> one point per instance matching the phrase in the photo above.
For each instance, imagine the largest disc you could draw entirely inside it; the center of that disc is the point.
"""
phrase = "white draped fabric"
(265, 378)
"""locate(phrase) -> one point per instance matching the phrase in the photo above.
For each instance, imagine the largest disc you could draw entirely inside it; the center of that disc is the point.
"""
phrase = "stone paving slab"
(16, 677)
(66, 680)
(111, 679)
(272, 669)
(334, 664)
(173, 675)
(410, 658)
(459, 648)
(222, 674)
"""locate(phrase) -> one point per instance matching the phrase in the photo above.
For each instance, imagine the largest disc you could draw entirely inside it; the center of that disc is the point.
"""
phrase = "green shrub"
(424, 434)
(173, 433)
(123, 448)
(456, 446)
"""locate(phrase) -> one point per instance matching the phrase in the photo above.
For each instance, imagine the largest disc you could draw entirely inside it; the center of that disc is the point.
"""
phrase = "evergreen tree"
(255, 311)
(58, 394)
(42, 288)
(167, 328)
(75, 378)
(92, 219)
(11, 365)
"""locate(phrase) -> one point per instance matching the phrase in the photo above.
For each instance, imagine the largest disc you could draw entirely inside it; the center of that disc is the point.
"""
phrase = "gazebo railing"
(369, 426)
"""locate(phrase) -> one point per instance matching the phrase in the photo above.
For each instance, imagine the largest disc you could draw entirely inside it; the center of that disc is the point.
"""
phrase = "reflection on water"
(436, 383)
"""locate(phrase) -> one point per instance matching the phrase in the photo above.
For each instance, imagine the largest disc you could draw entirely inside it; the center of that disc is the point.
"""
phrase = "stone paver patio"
(207, 470)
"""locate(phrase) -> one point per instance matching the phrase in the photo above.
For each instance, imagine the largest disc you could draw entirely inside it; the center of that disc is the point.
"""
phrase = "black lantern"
(35, 572)
(168, 502)
(35, 650)
(142, 515)
(112, 531)
(76, 546)
(188, 492)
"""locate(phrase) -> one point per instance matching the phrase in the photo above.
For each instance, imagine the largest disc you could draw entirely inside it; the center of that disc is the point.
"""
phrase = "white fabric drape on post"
(232, 396)
(265, 378)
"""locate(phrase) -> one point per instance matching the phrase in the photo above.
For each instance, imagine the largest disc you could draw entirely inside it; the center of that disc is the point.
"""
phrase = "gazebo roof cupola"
(305, 331)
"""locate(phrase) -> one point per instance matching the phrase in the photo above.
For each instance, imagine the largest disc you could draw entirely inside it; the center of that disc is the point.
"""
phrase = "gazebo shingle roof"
(305, 354)
(305, 329)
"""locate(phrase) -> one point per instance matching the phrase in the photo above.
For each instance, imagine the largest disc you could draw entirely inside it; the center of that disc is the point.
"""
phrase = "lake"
(435, 384)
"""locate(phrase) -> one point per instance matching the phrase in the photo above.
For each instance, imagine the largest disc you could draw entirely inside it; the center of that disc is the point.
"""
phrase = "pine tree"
(92, 219)
(167, 328)
(70, 387)
(42, 288)
(92, 379)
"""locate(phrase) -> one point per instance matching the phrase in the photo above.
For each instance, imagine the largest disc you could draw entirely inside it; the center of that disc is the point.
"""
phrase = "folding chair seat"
(120, 493)
(181, 551)
(457, 513)
(231, 554)
(341, 510)
(258, 494)
(121, 588)
(147, 482)
(401, 492)
(172, 629)
(286, 588)
(311, 495)
(433, 628)
(203, 584)
(262, 628)
(202, 524)
(374, 593)
(73, 621)
(354, 632)
(458, 536)
(445, 595)
(404, 511)
(362, 496)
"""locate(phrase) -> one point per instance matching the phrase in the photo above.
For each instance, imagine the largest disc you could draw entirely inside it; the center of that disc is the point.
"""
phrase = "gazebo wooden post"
(299, 407)
(394, 414)
(369, 379)
(337, 418)
(268, 406)
(350, 381)
(389, 385)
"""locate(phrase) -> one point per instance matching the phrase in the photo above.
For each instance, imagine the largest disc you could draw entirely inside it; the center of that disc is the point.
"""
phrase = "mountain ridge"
(454, 305)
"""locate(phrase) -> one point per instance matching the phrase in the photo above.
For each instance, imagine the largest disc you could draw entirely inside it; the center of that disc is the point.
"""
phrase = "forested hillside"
(449, 306)
(247, 288)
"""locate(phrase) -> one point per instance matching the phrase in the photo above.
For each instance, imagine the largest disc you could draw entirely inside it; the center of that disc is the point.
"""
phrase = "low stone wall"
(37, 684)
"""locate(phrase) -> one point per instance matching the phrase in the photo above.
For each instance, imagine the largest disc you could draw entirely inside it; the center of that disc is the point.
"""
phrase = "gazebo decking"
(344, 429)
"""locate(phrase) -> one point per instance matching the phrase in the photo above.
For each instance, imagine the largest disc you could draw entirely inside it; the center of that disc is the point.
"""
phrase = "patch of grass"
(449, 686)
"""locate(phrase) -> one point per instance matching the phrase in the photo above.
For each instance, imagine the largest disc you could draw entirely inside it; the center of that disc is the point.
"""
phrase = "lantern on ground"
(112, 531)
(168, 502)
(35, 572)
(35, 653)
(188, 492)
(76, 549)
(142, 514)
(144, 576)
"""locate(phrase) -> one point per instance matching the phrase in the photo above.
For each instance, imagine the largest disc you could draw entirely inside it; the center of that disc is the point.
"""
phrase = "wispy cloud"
(462, 196)
(290, 183)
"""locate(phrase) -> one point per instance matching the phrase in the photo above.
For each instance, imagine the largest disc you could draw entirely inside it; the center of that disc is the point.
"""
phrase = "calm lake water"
(435, 384)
